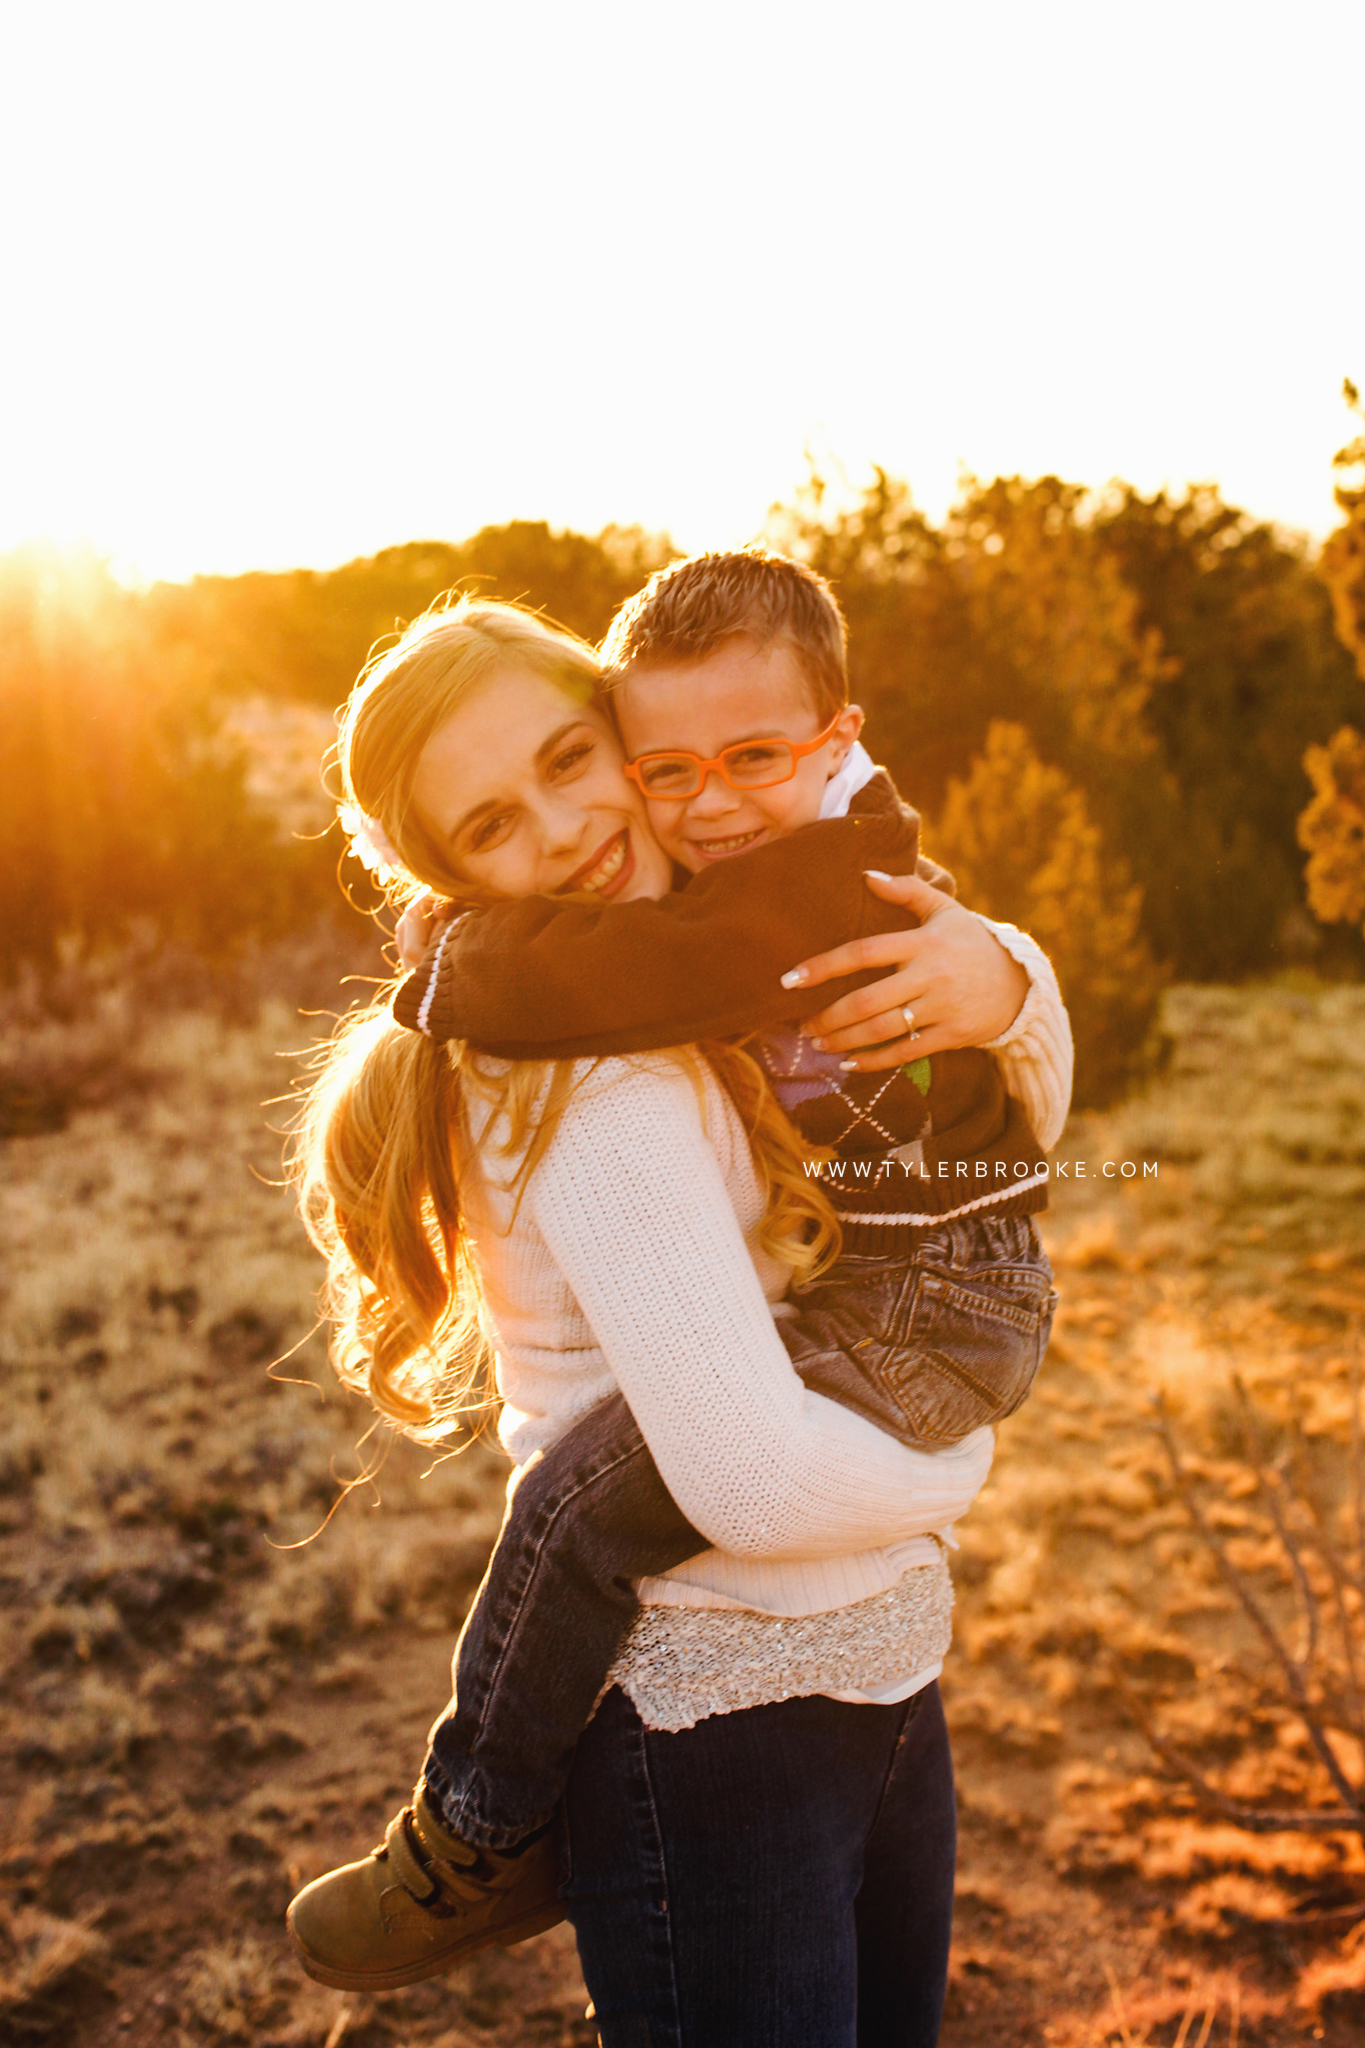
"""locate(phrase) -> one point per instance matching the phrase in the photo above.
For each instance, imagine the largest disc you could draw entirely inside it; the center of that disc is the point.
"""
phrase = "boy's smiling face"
(741, 691)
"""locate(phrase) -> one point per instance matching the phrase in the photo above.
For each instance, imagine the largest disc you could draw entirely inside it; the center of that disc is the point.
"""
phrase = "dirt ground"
(202, 1709)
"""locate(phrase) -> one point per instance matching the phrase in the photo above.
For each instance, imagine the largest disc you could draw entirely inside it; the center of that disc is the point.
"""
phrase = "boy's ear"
(845, 733)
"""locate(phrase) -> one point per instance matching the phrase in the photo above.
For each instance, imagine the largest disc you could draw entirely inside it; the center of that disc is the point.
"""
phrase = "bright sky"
(291, 282)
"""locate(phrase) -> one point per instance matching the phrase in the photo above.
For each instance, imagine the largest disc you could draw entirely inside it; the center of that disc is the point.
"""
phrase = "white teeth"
(610, 868)
(726, 845)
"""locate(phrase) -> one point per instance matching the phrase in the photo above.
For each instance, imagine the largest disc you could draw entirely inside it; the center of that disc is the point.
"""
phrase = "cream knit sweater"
(630, 1261)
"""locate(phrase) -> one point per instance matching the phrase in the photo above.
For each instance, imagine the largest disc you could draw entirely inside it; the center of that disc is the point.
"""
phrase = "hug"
(755, 1286)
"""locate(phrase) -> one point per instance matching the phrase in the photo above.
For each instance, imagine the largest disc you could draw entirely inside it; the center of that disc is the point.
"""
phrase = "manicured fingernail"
(818, 1043)
(876, 875)
(848, 1066)
(795, 978)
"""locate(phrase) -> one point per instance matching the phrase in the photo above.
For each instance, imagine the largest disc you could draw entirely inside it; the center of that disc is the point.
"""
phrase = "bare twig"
(1254, 1820)
(1130, 2039)
(1314, 1683)
(1357, 1451)
(1291, 1672)
(1268, 1482)
(1339, 1916)
(1187, 2021)
(1342, 1581)
(353, 2012)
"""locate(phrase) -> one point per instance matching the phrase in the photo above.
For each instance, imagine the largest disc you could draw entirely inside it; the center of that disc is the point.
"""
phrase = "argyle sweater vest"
(911, 1147)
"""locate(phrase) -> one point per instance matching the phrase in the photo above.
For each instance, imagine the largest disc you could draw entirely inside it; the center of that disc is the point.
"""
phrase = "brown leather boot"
(421, 1903)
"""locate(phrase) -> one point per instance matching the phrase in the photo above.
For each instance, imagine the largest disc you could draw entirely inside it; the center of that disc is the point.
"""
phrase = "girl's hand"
(416, 930)
(957, 980)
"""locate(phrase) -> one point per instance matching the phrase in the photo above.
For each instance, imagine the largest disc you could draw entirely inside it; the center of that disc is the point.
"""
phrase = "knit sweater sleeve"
(1035, 1054)
(633, 1207)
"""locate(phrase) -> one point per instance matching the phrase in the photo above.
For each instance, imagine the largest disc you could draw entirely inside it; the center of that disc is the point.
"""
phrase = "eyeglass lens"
(753, 766)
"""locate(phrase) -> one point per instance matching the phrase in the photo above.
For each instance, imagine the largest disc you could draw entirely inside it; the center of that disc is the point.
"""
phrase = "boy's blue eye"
(665, 774)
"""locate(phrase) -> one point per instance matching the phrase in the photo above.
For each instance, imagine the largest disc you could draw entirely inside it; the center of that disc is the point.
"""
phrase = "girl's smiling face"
(523, 791)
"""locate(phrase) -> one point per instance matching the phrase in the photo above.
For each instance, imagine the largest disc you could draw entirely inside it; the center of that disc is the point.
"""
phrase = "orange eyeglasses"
(751, 764)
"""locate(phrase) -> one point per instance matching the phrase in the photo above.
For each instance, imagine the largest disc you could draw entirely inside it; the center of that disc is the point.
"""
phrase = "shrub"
(1019, 838)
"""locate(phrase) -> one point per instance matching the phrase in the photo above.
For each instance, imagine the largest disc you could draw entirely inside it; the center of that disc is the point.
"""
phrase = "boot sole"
(538, 1922)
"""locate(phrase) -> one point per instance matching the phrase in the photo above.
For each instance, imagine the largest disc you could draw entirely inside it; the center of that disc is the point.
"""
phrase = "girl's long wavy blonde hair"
(377, 1144)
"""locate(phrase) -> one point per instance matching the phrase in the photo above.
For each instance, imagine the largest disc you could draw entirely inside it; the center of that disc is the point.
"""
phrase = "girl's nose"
(559, 821)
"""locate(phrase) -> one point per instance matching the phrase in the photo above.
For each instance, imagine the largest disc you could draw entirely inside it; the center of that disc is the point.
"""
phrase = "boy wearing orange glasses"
(729, 684)
(725, 756)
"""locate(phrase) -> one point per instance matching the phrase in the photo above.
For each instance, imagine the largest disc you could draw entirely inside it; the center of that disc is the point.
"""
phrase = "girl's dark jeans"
(777, 1878)
(929, 1346)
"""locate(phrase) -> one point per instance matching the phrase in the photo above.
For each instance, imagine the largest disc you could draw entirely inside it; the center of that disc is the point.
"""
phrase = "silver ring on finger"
(909, 1017)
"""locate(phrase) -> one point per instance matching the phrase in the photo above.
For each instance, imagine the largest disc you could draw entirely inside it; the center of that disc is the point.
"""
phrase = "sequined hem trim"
(680, 1664)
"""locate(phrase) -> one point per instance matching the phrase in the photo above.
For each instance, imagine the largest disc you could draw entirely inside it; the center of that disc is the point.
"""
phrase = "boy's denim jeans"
(932, 1346)
(586, 1518)
(929, 1346)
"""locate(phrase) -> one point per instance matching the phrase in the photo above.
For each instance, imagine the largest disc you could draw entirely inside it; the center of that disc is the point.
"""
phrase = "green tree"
(1254, 674)
(1009, 610)
(119, 800)
(306, 633)
(1332, 829)
(1019, 838)
(1343, 555)
(1171, 655)
(125, 793)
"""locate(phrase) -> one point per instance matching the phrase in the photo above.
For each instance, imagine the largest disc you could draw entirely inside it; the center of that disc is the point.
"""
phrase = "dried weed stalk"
(1202, 2009)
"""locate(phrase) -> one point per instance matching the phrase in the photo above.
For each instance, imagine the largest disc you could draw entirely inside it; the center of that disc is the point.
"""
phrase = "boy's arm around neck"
(550, 978)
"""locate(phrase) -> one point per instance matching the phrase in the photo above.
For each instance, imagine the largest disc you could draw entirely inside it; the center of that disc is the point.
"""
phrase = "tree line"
(1101, 704)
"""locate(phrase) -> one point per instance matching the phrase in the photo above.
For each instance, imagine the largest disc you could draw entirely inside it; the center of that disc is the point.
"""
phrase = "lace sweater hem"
(680, 1664)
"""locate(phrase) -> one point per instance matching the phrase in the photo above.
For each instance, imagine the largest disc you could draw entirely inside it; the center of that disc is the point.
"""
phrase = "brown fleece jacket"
(548, 977)
(555, 977)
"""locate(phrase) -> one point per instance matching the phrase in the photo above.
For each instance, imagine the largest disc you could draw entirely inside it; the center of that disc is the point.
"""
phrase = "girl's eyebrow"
(492, 803)
(548, 746)
(489, 804)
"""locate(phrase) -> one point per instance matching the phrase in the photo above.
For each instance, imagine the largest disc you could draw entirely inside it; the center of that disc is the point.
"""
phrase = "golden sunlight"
(290, 297)
(1020, 337)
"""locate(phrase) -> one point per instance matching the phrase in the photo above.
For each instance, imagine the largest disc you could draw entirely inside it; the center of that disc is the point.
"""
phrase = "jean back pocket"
(968, 1347)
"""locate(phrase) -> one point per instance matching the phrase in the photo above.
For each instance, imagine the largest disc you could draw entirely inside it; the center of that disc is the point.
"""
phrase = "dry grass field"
(199, 1713)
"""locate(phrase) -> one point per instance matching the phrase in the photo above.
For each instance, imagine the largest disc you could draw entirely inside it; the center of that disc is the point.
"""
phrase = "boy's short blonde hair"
(687, 609)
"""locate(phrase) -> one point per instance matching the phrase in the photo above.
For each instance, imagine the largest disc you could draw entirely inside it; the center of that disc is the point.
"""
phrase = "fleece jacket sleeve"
(549, 977)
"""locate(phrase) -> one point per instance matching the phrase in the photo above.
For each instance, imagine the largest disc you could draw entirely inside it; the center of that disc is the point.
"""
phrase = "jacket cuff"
(417, 1002)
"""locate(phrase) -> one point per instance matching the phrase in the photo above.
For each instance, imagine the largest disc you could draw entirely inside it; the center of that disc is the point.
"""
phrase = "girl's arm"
(631, 1201)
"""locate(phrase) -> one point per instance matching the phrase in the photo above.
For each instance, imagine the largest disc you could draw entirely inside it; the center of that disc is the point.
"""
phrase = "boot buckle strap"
(413, 1878)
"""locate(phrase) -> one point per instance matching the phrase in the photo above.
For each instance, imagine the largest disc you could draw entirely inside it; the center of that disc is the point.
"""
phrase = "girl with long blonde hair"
(616, 1233)
(376, 1145)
